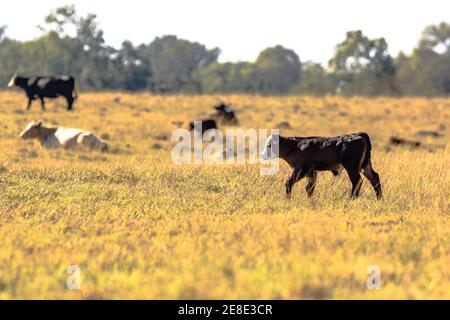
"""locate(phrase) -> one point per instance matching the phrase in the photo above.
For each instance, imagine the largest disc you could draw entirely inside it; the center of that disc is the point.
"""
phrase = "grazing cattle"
(226, 113)
(46, 87)
(397, 141)
(430, 133)
(52, 138)
(307, 155)
(203, 125)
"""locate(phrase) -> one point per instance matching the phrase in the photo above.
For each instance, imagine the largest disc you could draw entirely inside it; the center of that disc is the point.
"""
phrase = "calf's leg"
(374, 179)
(312, 177)
(296, 176)
(355, 178)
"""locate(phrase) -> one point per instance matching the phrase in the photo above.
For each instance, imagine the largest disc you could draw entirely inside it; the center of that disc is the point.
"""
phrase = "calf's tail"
(367, 154)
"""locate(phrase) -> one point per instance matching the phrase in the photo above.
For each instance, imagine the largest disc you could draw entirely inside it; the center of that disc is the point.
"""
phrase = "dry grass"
(140, 227)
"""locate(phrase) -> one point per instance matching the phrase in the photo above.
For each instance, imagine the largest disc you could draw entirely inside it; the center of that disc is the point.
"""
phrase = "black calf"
(311, 154)
(226, 113)
(203, 125)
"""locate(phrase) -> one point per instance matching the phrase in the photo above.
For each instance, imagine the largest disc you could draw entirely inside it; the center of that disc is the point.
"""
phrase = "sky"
(242, 28)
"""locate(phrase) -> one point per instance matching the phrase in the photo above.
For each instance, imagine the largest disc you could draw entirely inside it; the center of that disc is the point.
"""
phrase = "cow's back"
(328, 153)
(68, 137)
(54, 86)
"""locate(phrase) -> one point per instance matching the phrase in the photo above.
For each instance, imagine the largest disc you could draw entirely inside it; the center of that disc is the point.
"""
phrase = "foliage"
(278, 69)
(427, 70)
(363, 66)
(74, 44)
(229, 78)
(315, 81)
(173, 63)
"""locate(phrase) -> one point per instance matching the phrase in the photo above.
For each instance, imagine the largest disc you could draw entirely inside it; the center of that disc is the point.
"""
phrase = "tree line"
(75, 45)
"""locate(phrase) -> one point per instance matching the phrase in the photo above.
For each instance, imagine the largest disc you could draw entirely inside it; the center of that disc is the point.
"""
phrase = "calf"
(46, 87)
(52, 138)
(203, 125)
(226, 113)
(307, 155)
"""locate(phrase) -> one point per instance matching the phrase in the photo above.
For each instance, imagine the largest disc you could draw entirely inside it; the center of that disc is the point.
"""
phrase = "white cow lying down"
(51, 138)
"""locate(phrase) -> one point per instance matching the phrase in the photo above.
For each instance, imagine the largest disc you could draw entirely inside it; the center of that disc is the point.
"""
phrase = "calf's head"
(272, 148)
(31, 131)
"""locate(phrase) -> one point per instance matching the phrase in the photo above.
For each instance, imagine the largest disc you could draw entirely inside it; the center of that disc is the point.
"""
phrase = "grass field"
(139, 226)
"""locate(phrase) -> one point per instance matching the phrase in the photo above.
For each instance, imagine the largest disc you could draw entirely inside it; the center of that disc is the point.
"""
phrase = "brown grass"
(141, 227)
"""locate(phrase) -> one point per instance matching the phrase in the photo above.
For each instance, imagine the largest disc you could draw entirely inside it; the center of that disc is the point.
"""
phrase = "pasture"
(139, 226)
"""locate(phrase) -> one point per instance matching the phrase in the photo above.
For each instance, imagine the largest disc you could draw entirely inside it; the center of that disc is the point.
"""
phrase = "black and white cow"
(46, 87)
(307, 155)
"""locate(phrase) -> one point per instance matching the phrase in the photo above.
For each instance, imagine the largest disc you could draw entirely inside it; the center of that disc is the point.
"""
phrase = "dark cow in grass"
(203, 125)
(225, 112)
(307, 155)
(46, 87)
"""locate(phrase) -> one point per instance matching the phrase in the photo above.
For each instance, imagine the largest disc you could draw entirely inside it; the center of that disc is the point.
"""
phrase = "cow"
(203, 125)
(46, 87)
(226, 113)
(52, 138)
(308, 155)
(397, 141)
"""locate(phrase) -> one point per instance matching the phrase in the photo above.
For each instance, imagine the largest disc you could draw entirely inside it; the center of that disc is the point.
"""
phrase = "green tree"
(315, 81)
(427, 70)
(174, 62)
(279, 69)
(87, 56)
(9, 51)
(436, 38)
(2, 32)
(132, 70)
(229, 77)
(46, 55)
(363, 66)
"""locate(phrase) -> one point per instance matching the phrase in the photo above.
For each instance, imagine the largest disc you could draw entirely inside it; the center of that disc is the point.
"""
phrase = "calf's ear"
(39, 124)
